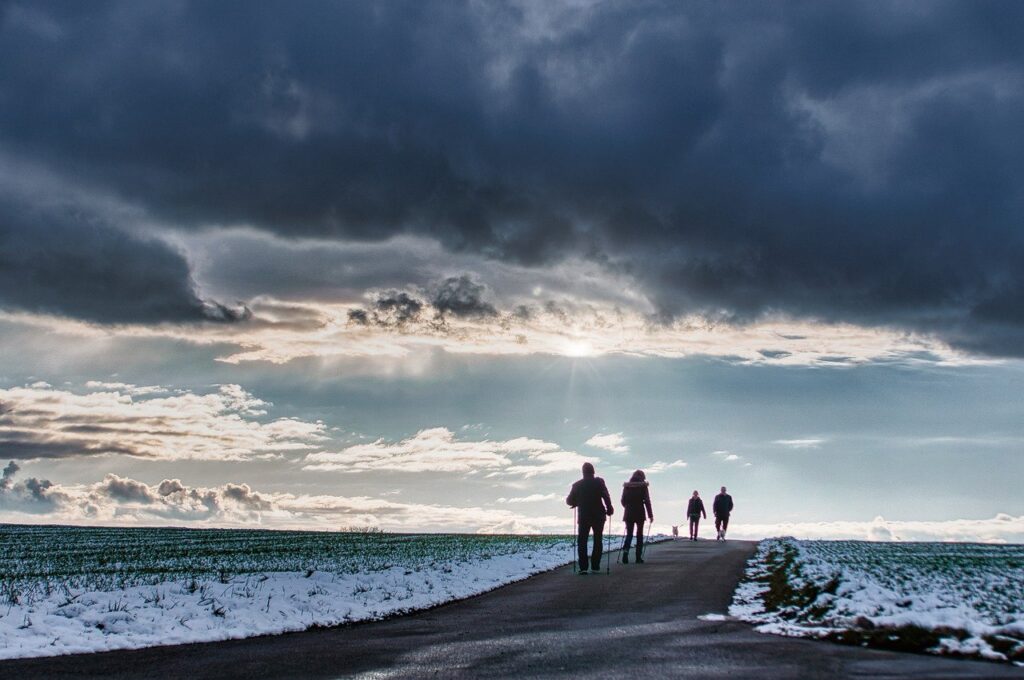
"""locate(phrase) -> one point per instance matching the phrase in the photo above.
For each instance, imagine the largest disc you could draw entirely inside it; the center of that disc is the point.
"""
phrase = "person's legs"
(718, 527)
(628, 542)
(595, 557)
(639, 541)
(694, 525)
(725, 525)
(583, 532)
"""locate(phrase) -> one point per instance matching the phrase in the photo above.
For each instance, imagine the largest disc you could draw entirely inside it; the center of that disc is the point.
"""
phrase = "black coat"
(722, 505)
(695, 508)
(590, 497)
(636, 497)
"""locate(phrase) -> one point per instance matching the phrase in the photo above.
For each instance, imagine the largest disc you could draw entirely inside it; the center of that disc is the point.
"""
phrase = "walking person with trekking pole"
(636, 499)
(590, 497)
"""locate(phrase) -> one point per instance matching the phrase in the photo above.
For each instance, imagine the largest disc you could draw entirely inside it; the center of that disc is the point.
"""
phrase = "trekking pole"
(643, 550)
(575, 541)
(608, 545)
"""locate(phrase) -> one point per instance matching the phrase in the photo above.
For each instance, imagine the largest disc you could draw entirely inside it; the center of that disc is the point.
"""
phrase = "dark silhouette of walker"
(592, 503)
(636, 506)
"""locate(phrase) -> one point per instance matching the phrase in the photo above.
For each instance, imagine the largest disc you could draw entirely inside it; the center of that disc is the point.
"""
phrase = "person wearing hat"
(593, 504)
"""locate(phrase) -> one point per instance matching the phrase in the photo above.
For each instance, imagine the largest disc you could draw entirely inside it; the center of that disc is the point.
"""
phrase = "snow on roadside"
(175, 612)
(953, 599)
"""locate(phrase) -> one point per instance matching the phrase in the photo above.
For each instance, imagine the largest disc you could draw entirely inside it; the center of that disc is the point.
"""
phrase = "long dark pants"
(585, 527)
(721, 522)
(639, 537)
(694, 525)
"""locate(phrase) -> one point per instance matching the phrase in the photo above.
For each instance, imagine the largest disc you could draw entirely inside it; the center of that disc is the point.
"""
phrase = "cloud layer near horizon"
(728, 159)
(127, 501)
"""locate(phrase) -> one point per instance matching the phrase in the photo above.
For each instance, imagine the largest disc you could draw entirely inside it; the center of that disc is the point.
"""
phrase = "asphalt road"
(640, 621)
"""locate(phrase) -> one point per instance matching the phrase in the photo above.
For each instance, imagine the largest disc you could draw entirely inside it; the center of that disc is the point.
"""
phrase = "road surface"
(641, 621)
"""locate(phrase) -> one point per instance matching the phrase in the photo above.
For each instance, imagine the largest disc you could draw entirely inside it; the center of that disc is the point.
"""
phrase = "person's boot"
(625, 556)
(639, 552)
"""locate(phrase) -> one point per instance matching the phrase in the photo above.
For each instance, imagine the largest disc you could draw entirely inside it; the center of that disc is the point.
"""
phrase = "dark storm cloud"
(389, 309)
(845, 161)
(7, 480)
(462, 296)
(65, 262)
(459, 296)
(32, 445)
(32, 495)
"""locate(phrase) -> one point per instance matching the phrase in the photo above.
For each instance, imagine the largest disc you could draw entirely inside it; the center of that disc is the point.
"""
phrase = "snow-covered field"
(943, 598)
(65, 590)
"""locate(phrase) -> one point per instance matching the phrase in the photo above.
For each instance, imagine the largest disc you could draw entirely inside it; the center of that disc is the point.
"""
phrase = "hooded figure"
(636, 498)
(593, 503)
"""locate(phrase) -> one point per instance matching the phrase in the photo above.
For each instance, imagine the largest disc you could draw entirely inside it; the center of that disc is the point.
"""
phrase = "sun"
(578, 348)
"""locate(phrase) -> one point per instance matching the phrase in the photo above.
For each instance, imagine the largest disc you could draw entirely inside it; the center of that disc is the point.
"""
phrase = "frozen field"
(943, 598)
(66, 590)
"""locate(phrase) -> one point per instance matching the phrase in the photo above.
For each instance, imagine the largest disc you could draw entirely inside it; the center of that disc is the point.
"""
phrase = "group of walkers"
(721, 507)
(593, 504)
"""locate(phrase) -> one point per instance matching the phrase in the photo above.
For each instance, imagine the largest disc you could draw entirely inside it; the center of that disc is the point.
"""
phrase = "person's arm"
(607, 499)
(647, 503)
(731, 504)
(702, 510)
(570, 500)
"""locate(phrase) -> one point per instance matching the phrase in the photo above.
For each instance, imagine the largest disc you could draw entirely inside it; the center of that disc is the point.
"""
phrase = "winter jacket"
(636, 497)
(591, 498)
(722, 505)
(696, 508)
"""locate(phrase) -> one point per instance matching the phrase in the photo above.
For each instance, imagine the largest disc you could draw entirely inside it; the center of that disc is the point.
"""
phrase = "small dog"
(675, 531)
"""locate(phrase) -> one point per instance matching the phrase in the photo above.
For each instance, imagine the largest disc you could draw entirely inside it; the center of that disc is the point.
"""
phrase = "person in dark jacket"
(593, 503)
(721, 508)
(694, 510)
(636, 498)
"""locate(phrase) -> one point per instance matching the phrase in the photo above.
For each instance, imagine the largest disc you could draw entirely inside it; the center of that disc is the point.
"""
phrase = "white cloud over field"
(122, 501)
(1002, 528)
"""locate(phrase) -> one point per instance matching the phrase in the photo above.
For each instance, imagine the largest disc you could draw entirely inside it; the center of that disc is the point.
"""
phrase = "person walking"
(721, 509)
(593, 503)
(694, 510)
(636, 498)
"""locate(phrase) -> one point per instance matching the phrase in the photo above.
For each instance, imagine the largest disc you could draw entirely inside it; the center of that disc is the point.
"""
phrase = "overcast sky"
(409, 264)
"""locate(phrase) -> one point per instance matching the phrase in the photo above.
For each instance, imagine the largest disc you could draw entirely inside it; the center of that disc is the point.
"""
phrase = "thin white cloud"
(661, 466)
(1002, 528)
(726, 456)
(809, 443)
(281, 331)
(613, 442)
(227, 423)
(439, 450)
(532, 498)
